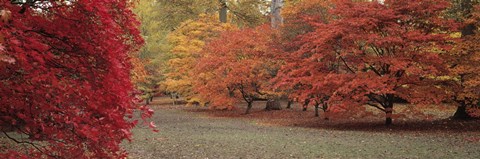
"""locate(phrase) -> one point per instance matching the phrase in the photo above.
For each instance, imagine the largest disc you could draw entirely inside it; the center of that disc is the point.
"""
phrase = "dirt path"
(195, 135)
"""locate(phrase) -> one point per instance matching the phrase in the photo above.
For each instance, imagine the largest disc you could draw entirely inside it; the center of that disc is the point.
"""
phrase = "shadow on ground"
(297, 118)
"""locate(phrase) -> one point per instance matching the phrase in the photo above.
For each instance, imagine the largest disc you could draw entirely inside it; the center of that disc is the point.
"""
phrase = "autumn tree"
(158, 19)
(299, 16)
(65, 87)
(234, 69)
(464, 68)
(383, 51)
(246, 13)
(273, 103)
(462, 11)
(311, 81)
(297, 77)
(187, 42)
(141, 78)
(162, 18)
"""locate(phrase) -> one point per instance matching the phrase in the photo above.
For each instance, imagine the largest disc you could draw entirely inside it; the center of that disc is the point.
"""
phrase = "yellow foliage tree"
(187, 42)
(138, 72)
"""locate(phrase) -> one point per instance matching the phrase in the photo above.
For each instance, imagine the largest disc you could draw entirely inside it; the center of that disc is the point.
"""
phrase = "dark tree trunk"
(316, 110)
(467, 8)
(249, 106)
(289, 104)
(273, 104)
(468, 30)
(461, 113)
(305, 104)
(389, 109)
(325, 108)
(388, 114)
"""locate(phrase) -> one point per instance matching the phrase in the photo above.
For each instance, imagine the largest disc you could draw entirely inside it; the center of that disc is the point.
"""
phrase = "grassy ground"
(193, 132)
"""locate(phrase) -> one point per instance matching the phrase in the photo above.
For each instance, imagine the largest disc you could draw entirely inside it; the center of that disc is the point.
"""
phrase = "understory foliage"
(65, 89)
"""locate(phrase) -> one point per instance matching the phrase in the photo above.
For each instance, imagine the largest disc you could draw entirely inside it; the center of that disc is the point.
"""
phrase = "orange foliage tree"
(379, 52)
(299, 17)
(237, 65)
(465, 68)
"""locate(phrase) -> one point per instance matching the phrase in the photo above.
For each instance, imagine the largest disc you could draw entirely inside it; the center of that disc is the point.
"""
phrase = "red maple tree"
(374, 53)
(68, 89)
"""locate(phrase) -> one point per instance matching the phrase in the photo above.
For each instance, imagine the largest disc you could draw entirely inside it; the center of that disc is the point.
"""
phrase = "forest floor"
(198, 132)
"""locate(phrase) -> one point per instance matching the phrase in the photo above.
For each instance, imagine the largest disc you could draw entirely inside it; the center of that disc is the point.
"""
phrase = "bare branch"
(376, 106)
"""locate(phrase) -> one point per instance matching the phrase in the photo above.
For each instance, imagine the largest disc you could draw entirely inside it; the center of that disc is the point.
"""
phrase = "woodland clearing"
(198, 132)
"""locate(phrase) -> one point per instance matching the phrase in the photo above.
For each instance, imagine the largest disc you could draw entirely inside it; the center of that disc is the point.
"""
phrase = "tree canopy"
(66, 81)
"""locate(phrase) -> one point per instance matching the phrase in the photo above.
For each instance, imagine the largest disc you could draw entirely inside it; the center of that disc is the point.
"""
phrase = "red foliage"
(69, 85)
(372, 53)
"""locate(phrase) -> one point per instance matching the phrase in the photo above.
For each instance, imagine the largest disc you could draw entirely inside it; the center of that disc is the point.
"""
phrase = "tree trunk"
(249, 106)
(305, 104)
(325, 108)
(388, 116)
(273, 104)
(461, 112)
(467, 7)
(388, 113)
(468, 30)
(223, 11)
(276, 8)
(289, 104)
(389, 109)
(316, 110)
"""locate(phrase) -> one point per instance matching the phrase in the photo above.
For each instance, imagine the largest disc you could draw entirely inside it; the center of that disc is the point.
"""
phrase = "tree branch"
(26, 142)
(374, 70)
(376, 106)
(371, 97)
(345, 62)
